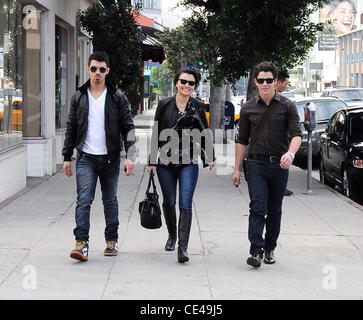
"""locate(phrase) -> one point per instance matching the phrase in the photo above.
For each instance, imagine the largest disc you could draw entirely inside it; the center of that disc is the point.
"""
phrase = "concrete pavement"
(319, 253)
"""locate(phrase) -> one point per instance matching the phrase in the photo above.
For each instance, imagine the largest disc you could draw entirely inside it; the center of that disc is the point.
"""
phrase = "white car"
(351, 96)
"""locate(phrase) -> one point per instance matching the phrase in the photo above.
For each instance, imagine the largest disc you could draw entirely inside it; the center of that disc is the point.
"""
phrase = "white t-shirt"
(95, 142)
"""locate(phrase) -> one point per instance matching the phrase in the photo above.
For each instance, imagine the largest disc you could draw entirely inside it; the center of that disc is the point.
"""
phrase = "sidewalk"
(319, 253)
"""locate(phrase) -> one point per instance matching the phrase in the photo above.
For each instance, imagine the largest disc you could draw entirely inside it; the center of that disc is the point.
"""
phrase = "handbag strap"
(151, 181)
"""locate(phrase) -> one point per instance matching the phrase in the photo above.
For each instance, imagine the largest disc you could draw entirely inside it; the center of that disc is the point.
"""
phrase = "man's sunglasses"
(191, 83)
(94, 69)
(262, 80)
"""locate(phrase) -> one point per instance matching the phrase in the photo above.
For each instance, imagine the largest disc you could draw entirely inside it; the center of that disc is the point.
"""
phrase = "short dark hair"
(100, 56)
(194, 73)
(265, 66)
(282, 76)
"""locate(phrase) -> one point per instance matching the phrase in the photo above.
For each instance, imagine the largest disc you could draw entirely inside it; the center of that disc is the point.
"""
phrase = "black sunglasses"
(191, 83)
(262, 80)
(94, 69)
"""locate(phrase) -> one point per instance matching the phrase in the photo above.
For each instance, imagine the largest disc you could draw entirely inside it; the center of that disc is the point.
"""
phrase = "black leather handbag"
(149, 208)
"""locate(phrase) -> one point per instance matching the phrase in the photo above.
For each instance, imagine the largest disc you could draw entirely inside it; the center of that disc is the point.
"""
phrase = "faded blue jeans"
(266, 186)
(168, 179)
(88, 169)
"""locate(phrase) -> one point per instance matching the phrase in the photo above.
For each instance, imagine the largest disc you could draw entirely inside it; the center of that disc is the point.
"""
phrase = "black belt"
(92, 155)
(269, 159)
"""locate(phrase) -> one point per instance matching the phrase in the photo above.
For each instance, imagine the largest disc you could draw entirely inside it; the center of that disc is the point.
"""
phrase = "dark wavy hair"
(283, 75)
(100, 56)
(194, 73)
(266, 66)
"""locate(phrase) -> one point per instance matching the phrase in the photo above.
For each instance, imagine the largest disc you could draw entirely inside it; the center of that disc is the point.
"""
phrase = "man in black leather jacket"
(98, 117)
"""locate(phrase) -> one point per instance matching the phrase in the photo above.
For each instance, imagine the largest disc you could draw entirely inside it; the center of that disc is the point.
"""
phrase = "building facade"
(151, 9)
(43, 55)
(350, 71)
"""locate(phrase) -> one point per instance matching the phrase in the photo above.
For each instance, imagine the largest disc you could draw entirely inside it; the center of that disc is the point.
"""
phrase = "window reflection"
(32, 79)
(11, 91)
(61, 54)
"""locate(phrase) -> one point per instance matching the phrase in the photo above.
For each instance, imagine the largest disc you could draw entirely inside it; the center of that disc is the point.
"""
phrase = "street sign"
(316, 65)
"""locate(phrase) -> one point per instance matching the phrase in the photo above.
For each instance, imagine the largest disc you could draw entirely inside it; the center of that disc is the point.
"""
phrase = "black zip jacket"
(166, 116)
(119, 126)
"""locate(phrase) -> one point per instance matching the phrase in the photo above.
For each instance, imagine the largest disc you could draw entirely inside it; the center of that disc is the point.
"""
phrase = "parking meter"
(309, 116)
(309, 124)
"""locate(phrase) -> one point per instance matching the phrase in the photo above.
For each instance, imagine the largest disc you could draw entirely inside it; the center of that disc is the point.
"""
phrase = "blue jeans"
(88, 169)
(168, 178)
(266, 186)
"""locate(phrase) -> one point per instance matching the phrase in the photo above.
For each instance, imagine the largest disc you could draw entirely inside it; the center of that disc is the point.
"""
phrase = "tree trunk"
(252, 90)
(216, 108)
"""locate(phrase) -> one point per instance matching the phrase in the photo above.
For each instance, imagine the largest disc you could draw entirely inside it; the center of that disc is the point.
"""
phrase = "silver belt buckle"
(272, 159)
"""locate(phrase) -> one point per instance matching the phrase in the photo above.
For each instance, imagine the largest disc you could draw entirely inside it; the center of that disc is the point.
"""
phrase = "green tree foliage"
(246, 32)
(164, 76)
(113, 29)
(182, 45)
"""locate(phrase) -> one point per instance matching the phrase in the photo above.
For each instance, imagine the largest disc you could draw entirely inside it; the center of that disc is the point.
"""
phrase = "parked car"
(16, 116)
(341, 152)
(288, 94)
(351, 96)
(325, 108)
(237, 109)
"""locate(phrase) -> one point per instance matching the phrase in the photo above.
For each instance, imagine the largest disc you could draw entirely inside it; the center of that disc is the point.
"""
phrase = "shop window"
(11, 89)
(61, 89)
(32, 75)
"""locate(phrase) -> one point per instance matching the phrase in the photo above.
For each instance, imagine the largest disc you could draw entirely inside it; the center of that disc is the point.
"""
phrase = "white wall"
(45, 153)
(38, 156)
(12, 171)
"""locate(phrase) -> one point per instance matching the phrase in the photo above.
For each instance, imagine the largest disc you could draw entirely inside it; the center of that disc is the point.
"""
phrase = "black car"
(325, 108)
(341, 152)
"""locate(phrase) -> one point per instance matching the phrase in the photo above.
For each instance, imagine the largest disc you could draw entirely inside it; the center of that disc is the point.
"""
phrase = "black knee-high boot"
(185, 222)
(170, 221)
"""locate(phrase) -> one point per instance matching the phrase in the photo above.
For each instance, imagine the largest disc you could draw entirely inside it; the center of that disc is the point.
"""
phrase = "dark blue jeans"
(266, 186)
(168, 178)
(88, 169)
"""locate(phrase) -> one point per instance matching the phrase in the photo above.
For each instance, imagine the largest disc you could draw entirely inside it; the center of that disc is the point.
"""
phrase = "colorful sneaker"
(81, 251)
(111, 249)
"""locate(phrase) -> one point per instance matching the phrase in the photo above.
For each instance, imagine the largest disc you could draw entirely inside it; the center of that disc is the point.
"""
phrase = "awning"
(149, 38)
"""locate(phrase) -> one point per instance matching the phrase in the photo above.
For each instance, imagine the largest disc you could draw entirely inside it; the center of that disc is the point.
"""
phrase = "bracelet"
(291, 155)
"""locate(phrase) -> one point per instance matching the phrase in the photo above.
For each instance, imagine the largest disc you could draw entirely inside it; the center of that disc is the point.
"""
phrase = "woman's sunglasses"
(262, 80)
(94, 69)
(191, 83)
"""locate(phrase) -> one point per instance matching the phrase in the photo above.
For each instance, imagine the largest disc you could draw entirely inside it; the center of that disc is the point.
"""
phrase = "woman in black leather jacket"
(180, 136)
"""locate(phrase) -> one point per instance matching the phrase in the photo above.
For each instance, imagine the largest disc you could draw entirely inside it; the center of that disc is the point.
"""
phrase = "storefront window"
(32, 72)
(61, 60)
(11, 90)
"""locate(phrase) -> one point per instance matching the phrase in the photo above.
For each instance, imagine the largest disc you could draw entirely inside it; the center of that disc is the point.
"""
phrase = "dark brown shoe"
(255, 260)
(269, 257)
